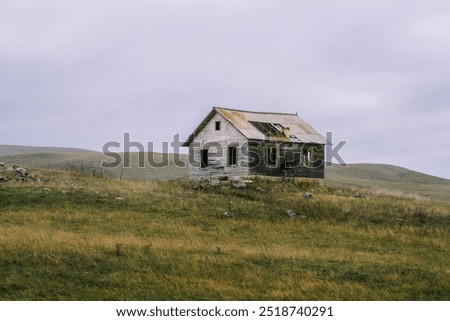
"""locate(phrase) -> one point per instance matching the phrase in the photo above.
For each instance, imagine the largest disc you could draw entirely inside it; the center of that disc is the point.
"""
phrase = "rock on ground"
(237, 182)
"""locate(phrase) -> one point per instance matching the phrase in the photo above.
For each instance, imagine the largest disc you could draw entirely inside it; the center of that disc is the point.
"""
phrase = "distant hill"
(389, 178)
(378, 177)
(89, 162)
(388, 173)
(6, 150)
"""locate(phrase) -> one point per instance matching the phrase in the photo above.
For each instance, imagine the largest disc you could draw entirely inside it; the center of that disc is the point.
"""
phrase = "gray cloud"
(81, 73)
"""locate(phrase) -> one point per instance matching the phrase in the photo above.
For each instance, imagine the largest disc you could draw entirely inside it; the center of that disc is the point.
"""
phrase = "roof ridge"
(255, 112)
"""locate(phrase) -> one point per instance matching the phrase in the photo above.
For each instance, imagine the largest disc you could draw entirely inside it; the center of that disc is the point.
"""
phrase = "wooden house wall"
(290, 160)
(211, 138)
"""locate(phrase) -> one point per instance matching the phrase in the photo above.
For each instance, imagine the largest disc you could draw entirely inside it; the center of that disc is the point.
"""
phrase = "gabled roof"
(253, 125)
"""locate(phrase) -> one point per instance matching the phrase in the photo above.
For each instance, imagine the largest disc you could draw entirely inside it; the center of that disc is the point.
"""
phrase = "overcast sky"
(375, 73)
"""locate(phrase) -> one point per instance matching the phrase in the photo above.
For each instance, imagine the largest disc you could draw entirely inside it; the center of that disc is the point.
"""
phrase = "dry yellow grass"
(168, 241)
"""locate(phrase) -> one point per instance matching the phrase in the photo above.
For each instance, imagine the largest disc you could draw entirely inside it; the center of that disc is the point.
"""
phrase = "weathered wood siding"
(217, 143)
(292, 159)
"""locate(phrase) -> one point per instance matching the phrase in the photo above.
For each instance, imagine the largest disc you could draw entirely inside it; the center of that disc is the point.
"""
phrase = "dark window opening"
(272, 155)
(308, 157)
(217, 125)
(204, 158)
(232, 156)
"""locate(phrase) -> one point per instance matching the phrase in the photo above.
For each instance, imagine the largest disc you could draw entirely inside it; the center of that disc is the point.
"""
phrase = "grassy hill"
(370, 232)
(389, 179)
(19, 149)
(88, 162)
(69, 236)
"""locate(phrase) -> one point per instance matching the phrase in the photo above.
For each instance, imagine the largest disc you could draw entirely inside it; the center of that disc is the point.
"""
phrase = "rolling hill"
(387, 179)
(6, 150)
(89, 162)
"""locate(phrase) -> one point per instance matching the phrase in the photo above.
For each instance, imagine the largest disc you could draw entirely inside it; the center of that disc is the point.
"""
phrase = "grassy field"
(78, 237)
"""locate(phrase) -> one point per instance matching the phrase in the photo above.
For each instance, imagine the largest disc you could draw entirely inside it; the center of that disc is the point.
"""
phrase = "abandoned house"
(231, 142)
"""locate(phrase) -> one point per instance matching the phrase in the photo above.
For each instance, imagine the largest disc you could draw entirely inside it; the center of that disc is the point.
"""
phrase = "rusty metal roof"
(253, 125)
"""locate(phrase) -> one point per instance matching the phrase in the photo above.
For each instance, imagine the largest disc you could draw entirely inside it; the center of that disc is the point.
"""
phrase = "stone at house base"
(237, 182)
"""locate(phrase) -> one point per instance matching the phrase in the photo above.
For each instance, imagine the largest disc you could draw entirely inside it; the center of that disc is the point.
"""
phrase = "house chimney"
(287, 131)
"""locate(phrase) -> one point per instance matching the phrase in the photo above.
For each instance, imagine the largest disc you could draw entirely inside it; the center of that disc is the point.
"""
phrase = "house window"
(272, 155)
(232, 156)
(217, 125)
(204, 158)
(307, 157)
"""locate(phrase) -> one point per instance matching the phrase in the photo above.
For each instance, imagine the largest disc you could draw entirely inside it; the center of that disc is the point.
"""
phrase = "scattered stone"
(303, 217)
(64, 192)
(214, 182)
(119, 198)
(228, 214)
(3, 179)
(22, 171)
(222, 178)
(290, 213)
(199, 186)
(307, 195)
(237, 182)
(259, 189)
(47, 189)
(14, 173)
